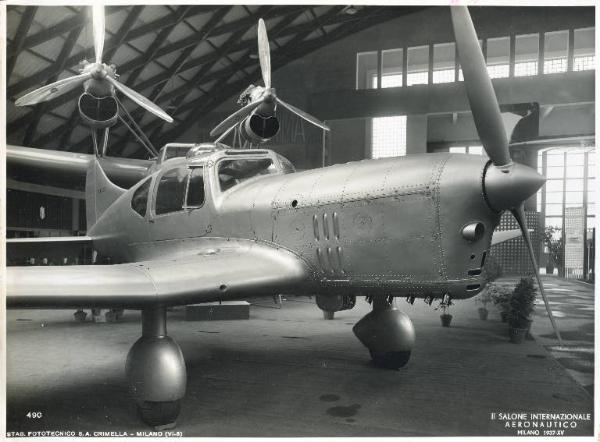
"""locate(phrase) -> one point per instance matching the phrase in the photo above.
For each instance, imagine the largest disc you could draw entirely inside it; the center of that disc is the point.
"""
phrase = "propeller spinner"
(263, 100)
(97, 78)
(507, 185)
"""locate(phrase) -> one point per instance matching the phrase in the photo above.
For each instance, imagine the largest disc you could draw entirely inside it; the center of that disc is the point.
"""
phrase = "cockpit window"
(195, 193)
(176, 151)
(171, 191)
(286, 165)
(139, 199)
(233, 172)
(179, 189)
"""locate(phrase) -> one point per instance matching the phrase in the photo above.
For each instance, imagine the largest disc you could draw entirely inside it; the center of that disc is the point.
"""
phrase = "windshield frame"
(274, 163)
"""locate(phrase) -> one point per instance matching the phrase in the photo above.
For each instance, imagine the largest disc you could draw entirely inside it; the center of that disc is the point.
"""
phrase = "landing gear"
(328, 315)
(387, 333)
(330, 304)
(156, 372)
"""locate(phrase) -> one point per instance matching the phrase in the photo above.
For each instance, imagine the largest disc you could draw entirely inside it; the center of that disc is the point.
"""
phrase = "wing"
(73, 166)
(500, 236)
(237, 272)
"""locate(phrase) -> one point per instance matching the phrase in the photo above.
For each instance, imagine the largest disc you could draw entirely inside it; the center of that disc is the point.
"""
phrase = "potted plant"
(501, 298)
(554, 244)
(446, 317)
(521, 307)
(485, 297)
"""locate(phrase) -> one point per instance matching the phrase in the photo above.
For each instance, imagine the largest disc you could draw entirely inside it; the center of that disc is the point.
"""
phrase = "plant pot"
(446, 320)
(517, 335)
(483, 313)
(504, 316)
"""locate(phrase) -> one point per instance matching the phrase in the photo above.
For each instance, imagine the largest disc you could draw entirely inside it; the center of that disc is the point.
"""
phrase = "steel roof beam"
(201, 35)
(41, 108)
(289, 52)
(151, 52)
(76, 58)
(63, 27)
(282, 24)
(15, 48)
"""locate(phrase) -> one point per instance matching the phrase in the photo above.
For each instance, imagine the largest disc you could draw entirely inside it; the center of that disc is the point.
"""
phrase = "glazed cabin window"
(176, 152)
(234, 172)
(139, 200)
(286, 165)
(171, 190)
(195, 191)
(178, 186)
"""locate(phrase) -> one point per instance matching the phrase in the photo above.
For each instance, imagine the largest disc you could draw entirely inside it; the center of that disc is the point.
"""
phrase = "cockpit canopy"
(183, 150)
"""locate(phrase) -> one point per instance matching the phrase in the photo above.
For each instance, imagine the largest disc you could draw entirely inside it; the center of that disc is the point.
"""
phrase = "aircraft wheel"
(390, 359)
(159, 414)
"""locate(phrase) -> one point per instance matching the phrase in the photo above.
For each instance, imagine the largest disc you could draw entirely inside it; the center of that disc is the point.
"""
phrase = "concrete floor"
(288, 372)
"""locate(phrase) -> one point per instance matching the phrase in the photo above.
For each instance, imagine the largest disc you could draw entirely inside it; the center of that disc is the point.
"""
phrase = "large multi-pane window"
(498, 57)
(391, 67)
(526, 55)
(556, 48)
(444, 63)
(366, 69)
(570, 175)
(388, 136)
(584, 49)
(418, 65)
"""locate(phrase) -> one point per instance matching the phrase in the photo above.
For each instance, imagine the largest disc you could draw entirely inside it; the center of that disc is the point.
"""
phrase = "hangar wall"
(323, 83)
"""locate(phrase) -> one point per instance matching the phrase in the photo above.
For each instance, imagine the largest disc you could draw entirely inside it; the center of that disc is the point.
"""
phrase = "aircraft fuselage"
(392, 226)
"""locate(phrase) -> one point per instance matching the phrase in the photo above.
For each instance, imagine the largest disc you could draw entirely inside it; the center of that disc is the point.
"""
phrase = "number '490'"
(34, 415)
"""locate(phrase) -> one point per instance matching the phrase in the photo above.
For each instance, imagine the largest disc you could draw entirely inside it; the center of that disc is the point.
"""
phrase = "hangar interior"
(388, 83)
(386, 86)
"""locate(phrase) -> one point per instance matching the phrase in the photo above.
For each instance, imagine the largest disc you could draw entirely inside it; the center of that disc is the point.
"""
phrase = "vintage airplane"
(221, 223)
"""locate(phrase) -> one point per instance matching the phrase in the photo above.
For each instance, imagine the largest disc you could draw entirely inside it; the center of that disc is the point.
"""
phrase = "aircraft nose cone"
(509, 188)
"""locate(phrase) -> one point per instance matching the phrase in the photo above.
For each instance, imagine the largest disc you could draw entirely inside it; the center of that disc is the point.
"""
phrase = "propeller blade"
(482, 99)
(140, 99)
(52, 90)
(519, 214)
(264, 53)
(303, 114)
(98, 29)
(222, 137)
(235, 118)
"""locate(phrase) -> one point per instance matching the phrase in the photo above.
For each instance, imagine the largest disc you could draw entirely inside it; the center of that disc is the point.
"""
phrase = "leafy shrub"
(522, 303)
(500, 296)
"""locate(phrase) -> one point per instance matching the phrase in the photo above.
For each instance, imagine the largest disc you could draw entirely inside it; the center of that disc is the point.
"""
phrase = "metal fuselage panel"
(376, 226)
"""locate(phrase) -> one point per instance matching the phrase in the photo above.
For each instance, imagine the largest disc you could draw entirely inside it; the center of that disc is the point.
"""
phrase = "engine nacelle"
(98, 113)
(258, 129)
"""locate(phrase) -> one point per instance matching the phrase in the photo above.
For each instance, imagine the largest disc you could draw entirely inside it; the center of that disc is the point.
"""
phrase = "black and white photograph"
(299, 220)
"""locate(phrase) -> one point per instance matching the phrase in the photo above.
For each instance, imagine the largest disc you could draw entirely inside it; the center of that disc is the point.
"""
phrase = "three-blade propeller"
(97, 71)
(263, 95)
(507, 184)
